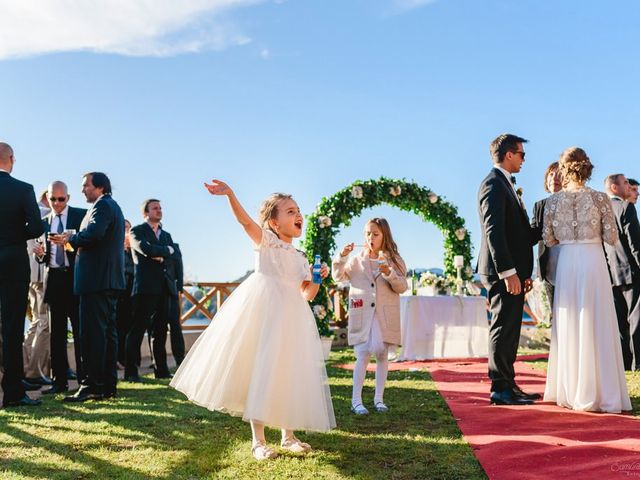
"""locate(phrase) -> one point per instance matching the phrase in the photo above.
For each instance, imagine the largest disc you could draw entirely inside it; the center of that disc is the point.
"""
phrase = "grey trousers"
(37, 346)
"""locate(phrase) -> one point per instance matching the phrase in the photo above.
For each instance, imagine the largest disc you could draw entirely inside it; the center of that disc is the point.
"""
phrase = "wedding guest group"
(74, 266)
(112, 283)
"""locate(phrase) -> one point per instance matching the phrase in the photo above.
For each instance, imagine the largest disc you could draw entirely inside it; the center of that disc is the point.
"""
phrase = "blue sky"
(306, 97)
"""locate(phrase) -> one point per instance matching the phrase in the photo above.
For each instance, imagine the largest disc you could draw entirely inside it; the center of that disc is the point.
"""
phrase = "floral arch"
(335, 212)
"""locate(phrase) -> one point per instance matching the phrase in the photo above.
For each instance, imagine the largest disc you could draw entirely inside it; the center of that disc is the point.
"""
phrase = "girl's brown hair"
(269, 209)
(388, 244)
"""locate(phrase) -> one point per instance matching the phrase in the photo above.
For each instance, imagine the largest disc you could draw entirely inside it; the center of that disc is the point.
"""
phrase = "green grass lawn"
(152, 431)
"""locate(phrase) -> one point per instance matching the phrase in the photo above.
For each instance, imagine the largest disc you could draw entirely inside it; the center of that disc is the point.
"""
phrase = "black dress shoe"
(28, 386)
(506, 397)
(21, 402)
(82, 395)
(110, 394)
(164, 375)
(133, 378)
(55, 389)
(527, 396)
(40, 381)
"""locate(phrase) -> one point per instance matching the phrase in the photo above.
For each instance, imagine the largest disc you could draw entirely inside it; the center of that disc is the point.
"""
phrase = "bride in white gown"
(585, 369)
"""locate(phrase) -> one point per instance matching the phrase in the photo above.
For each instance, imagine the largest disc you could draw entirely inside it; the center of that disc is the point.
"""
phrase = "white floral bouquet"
(324, 221)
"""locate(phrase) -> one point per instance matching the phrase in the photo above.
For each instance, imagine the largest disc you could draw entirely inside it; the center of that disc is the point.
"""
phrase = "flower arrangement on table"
(447, 285)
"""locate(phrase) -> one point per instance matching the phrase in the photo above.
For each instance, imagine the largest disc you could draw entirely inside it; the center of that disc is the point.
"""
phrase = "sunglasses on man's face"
(58, 199)
(520, 152)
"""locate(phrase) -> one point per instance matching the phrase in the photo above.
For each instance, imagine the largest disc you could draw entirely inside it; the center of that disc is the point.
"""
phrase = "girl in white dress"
(261, 356)
(377, 278)
(585, 369)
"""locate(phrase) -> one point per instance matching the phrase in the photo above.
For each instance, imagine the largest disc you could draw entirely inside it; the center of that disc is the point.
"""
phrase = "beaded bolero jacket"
(580, 216)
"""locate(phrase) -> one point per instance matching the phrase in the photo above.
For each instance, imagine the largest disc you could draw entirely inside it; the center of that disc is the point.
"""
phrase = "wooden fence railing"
(212, 295)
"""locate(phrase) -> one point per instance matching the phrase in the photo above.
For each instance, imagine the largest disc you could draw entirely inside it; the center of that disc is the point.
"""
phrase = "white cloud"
(411, 4)
(265, 53)
(127, 27)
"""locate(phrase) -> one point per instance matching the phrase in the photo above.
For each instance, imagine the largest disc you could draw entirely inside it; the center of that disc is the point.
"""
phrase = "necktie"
(513, 179)
(60, 248)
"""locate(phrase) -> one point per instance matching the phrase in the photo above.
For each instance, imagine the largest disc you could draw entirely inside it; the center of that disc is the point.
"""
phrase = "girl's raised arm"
(254, 231)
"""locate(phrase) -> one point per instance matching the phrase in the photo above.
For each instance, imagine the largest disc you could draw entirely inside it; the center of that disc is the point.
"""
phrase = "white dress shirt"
(54, 229)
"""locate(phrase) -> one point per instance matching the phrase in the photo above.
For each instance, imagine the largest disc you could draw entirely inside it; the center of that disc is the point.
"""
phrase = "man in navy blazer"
(98, 280)
(153, 286)
(58, 285)
(19, 221)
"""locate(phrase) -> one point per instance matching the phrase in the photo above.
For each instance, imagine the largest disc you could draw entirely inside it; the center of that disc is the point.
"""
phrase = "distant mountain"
(243, 278)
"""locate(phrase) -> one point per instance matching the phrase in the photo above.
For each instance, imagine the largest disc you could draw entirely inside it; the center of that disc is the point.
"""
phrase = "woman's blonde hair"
(388, 244)
(269, 209)
(575, 166)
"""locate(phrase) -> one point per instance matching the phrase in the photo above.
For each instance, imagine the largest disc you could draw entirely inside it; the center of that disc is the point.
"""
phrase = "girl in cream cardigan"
(377, 278)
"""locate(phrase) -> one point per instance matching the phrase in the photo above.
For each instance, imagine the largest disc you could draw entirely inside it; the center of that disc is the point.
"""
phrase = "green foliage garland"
(337, 211)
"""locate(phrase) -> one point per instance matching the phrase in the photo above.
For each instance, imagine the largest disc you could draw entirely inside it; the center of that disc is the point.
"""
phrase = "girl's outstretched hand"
(218, 187)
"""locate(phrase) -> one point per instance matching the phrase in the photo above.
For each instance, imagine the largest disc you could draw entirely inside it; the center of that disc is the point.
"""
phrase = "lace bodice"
(280, 259)
(584, 215)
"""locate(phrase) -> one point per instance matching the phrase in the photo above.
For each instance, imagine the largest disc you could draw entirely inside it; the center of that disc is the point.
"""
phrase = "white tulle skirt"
(261, 359)
(585, 371)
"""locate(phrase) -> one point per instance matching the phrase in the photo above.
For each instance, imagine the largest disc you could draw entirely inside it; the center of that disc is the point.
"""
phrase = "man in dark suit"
(505, 263)
(552, 184)
(623, 259)
(153, 286)
(19, 221)
(98, 280)
(58, 285)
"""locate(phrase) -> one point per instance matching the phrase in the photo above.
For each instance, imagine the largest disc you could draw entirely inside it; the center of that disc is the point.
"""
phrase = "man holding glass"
(58, 284)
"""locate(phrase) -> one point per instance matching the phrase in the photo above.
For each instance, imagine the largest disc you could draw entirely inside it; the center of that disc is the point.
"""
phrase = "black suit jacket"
(623, 258)
(99, 245)
(152, 276)
(507, 237)
(74, 220)
(19, 221)
(536, 226)
(175, 268)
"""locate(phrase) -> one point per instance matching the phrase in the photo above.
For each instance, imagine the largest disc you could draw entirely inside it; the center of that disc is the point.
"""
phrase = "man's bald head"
(6, 156)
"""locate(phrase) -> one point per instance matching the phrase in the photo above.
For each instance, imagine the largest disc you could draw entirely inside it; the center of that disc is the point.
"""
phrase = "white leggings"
(360, 371)
(363, 352)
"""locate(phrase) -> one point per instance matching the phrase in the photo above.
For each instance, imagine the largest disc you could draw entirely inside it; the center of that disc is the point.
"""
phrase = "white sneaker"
(292, 444)
(381, 407)
(261, 451)
(359, 409)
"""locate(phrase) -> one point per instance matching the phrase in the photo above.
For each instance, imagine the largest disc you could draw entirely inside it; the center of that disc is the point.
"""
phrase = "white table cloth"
(443, 327)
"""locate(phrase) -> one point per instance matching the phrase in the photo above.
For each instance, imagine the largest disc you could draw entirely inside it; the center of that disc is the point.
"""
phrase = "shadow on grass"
(152, 431)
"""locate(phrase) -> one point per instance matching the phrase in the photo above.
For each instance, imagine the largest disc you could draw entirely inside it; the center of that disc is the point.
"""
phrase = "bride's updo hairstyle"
(575, 166)
(269, 209)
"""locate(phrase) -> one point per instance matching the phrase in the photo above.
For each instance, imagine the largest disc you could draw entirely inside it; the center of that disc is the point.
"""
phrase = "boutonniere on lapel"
(519, 192)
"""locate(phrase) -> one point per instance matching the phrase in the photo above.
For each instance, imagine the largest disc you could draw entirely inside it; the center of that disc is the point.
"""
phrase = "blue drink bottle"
(316, 270)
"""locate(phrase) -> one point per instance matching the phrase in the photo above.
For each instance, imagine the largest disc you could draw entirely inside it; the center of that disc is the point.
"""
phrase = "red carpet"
(541, 441)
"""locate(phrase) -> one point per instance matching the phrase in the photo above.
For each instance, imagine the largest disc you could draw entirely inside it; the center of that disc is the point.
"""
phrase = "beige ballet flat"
(261, 451)
(292, 444)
